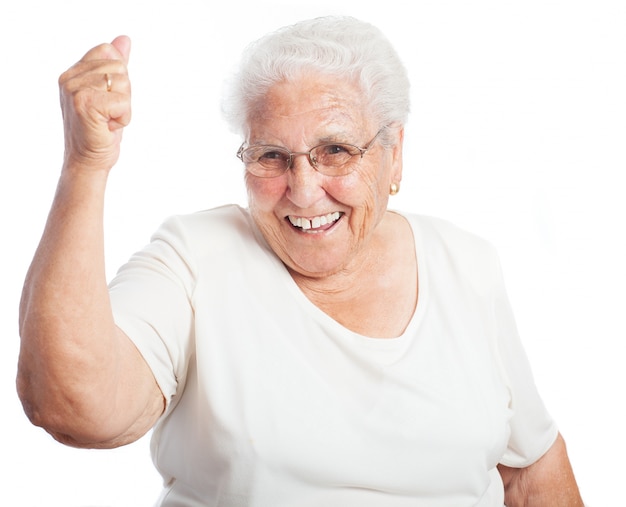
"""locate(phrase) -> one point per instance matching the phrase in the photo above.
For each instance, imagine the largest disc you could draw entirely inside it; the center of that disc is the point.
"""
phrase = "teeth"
(314, 223)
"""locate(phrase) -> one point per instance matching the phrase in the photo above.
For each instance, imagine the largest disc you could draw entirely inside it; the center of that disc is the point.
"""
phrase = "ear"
(396, 154)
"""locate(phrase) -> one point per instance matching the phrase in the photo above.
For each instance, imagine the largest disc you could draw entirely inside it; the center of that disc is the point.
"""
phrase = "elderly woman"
(314, 349)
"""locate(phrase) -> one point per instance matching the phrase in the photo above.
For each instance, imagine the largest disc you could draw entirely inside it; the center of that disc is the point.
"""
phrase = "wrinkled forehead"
(315, 103)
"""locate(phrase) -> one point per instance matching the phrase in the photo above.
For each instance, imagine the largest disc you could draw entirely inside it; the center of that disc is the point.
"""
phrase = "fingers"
(105, 58)
(99, 75)
(118, 49)
(122, 44)
(98, 87)
(106, 76)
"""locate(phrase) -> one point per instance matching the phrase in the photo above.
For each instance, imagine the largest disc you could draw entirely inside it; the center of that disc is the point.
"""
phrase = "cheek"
(364, 189)
(264, 193)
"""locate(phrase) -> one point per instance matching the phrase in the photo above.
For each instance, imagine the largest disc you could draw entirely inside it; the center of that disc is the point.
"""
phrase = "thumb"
(122, 44)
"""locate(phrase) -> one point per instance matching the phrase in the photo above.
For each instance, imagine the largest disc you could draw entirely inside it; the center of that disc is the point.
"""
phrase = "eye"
(273, 154)
(265, 155)
(333, 149)
(334, 155)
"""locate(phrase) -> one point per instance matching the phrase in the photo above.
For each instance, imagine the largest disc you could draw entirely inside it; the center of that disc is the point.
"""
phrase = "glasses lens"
(332, 159)
(266, 160)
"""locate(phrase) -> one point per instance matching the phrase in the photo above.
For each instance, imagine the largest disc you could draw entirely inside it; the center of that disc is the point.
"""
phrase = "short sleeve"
(151, 297)
(533, 431)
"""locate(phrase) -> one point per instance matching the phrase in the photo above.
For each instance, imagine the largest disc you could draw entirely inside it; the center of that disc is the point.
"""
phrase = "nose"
(304, 183)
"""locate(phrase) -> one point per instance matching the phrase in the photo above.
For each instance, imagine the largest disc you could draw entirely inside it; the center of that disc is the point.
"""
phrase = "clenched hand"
(96, 105)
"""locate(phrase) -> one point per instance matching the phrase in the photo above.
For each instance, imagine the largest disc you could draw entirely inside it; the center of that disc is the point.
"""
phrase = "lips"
(315, 224)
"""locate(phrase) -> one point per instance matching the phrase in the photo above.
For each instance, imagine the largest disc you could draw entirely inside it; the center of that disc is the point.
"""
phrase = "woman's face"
(339, 213)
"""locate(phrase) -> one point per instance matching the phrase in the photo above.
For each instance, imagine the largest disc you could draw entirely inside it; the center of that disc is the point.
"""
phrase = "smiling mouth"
(315, 224)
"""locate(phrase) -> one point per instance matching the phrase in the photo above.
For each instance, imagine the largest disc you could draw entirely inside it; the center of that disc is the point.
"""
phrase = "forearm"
(68, 356)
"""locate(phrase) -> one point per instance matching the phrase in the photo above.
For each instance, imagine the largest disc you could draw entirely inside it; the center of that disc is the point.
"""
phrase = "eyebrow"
(337, 137)
(340, 136)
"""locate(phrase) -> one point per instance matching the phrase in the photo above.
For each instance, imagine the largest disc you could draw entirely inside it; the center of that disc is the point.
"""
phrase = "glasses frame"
(312, 160)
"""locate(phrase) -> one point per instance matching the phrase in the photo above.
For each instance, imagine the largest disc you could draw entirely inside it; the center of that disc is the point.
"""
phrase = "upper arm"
(549, 482)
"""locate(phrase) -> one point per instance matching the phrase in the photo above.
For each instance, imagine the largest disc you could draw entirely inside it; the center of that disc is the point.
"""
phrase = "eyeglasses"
(330, 159)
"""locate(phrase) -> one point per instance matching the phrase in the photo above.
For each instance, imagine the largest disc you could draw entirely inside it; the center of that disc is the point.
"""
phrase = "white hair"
(336, 46)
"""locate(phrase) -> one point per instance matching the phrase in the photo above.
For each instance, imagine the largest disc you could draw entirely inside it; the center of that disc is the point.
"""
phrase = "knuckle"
(82, 98)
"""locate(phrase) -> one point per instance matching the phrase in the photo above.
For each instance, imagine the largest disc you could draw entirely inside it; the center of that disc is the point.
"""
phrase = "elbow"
(60, 417)
(27, 395)
(45, 420)
(50, 401)
(68, 432)
(39, 411)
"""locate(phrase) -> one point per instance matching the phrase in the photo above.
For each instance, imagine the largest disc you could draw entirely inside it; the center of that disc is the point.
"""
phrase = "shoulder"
(438, 231)
(228, 217)
(444, 245)
(221, 236)
(214, 228)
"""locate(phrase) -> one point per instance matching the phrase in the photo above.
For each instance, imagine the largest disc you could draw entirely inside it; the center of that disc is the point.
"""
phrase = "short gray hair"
(336, 46)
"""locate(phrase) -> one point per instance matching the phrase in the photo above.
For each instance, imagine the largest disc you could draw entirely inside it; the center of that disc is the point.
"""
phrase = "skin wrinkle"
(266, 109)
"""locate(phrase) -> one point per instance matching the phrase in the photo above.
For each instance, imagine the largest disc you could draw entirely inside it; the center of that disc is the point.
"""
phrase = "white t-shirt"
(272, 403)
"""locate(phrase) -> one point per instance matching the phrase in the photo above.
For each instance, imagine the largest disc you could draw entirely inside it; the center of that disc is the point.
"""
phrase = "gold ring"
(107, 78)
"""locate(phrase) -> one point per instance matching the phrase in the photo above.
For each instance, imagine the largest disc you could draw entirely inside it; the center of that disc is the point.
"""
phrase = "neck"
(377, 295)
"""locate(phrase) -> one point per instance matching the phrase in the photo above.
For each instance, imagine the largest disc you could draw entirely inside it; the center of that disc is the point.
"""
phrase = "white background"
(517, 133)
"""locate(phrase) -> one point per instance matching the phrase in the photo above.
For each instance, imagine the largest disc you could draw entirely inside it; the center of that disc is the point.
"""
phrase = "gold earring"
(394, 188)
